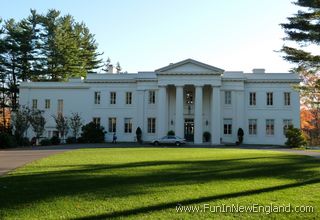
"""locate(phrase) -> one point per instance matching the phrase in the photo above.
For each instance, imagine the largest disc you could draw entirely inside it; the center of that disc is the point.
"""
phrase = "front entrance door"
(188, 129)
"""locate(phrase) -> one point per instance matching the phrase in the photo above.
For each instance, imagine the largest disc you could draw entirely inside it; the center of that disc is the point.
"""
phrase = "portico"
(188, 120)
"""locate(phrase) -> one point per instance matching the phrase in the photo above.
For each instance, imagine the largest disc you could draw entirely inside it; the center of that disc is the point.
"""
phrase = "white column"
(215, 116)
(198, 116)
(179, 112)
(162, 111)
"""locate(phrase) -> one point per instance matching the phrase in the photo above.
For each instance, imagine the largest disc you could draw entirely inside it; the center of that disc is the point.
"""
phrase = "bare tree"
(75, 123)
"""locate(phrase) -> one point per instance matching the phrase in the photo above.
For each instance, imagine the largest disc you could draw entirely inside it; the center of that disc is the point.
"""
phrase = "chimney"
(259, 71)
(110, 69)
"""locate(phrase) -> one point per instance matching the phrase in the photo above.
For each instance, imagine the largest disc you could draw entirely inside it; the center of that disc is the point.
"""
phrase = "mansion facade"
(188, 97)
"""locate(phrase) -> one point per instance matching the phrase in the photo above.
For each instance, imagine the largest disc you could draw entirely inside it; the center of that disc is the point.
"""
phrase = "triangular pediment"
(189, 66)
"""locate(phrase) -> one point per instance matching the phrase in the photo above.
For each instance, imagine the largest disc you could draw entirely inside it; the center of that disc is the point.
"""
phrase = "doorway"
(188, 129)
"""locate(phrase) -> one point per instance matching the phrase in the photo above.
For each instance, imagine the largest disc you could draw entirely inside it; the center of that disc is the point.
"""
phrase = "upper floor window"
(113, 98)
(252, 98)
(60, 106)
(227, 126)
(253, 126)
(47, 104)
(34, 103)
(286, 124)
(97, 96)
(189, 97)
(270, 126)
(112, 124)
(227, 97)
(128, 98)
(269, 98)
(151, 125)
(152, 97)
(287, 98)
(96, 121)
(128, 125)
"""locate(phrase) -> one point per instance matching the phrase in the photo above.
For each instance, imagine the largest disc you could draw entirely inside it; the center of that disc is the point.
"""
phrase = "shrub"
(206, 136)
(45, 142)
(295, 137)
(171, 132)
(139, 135)
(92, 133)
(24, 142)
(55, 140)
(71, 140)
(240, 135)
(7, 140)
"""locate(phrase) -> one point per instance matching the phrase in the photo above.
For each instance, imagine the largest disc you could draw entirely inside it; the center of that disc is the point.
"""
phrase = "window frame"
(128, 98)
(228, 97)
(287, 98)
(151, 125)
(127, 125)
(252, 98)
(34, 103)
(47, 104)
(152, 97)
(252, 127)
(112, 124)
(270, 127)
(269, 98)
(113, 98)
(97, 97)
(227, 127)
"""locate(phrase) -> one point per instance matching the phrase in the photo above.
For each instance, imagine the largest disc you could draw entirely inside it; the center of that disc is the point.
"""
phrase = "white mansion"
(188, 97)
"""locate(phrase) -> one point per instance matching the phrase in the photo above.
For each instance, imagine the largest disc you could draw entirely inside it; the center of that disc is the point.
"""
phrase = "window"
(60, 106)
(253, 126)
(286, 124)
(227, 126)
(252, 98)
(269, 98)
(227, 97)
(270, 126)
(189, 97)
(151, 125)
(113, 97)
(47, 104)
(96, 120)
(128, 125)
(112, 124)
(34, 103)
(287, 100)
(97, 96)
(152, 97)
(128, 98)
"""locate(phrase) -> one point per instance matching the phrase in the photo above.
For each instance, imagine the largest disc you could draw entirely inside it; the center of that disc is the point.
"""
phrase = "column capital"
(198, 85)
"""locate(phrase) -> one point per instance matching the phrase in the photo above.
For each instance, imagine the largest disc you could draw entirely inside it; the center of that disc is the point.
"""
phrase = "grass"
(148, 183)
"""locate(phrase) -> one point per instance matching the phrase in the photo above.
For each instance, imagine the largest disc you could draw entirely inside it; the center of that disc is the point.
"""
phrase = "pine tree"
(304, 29)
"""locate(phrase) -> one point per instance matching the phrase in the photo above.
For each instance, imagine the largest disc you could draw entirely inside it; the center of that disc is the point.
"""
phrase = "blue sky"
(149, 34)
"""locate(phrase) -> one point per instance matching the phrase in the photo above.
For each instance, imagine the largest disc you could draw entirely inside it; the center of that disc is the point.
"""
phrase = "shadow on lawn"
(122, 180)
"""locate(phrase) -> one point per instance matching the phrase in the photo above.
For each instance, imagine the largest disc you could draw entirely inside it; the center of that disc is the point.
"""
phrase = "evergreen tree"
(304, 29)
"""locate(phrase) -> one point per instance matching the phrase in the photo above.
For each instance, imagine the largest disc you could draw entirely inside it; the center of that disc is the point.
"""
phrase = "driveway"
(11, 159)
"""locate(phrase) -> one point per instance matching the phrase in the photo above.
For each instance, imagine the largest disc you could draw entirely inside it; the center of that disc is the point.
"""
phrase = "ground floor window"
(227, 126)
(128, 125)
(151, 125)
(112, 125)
(286, 124)
(253, 126)
(270, 126)
(96, 121)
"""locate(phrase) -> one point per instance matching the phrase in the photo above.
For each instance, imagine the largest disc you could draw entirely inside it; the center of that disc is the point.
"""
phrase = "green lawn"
(148, 183)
